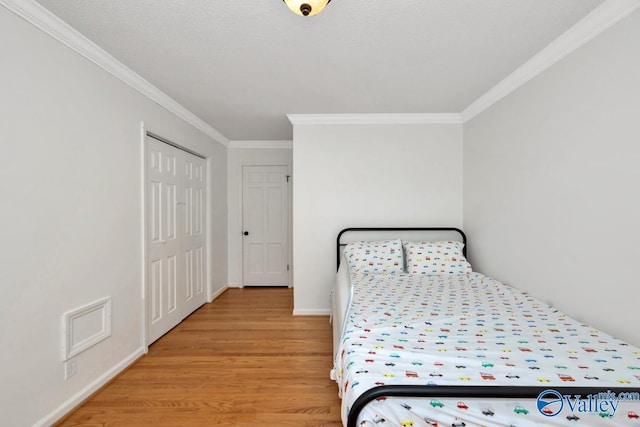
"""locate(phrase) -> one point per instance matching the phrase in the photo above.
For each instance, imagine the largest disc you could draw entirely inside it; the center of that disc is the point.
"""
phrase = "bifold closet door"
(175, 218)
(193, 243)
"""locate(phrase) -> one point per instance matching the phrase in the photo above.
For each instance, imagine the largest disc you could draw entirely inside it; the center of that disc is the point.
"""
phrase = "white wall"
(71, 215)
(237, 158)
(366, 175)
(551, 176)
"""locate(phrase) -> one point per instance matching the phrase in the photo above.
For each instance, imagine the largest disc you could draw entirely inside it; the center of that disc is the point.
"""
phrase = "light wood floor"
(242, 360)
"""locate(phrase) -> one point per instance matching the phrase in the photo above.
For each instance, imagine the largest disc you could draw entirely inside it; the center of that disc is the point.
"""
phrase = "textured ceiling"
(241, 66)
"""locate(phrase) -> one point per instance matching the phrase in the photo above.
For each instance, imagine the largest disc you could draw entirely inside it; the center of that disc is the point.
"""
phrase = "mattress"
(470, 329)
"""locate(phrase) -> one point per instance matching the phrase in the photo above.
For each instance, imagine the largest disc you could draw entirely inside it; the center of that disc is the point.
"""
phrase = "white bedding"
(470, 330)
(341, 295)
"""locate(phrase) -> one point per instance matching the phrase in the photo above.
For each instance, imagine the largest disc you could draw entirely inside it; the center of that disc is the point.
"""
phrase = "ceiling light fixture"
(307, 7)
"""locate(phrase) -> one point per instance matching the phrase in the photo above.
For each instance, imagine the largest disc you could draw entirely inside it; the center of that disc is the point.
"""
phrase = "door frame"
(208, 222)
(289, 214)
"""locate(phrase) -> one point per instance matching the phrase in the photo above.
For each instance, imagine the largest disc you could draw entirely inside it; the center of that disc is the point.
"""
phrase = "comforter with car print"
(473, 330)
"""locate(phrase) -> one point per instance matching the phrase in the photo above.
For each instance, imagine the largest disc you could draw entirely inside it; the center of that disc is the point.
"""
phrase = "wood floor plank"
(243, 360)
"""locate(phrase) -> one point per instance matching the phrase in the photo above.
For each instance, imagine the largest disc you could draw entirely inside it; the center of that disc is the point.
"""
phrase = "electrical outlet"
(70, 367)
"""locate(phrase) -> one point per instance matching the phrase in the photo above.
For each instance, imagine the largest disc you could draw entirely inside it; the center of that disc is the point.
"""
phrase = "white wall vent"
(86, 326)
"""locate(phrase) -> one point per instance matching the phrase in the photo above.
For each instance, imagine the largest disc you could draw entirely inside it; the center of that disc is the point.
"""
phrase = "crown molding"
(368, 119)
(596, 22)
(261, 144)
(46, 21)
(600, 19)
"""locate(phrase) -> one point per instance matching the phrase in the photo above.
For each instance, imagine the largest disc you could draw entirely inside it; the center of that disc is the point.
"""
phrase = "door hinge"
(288, 176)
(287, 267)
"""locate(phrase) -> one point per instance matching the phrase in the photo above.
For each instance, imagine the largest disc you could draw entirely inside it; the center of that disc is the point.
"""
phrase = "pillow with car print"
(375, 257)
(436, 258)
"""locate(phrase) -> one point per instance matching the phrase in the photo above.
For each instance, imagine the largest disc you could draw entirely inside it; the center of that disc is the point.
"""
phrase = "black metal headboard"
(340, 244)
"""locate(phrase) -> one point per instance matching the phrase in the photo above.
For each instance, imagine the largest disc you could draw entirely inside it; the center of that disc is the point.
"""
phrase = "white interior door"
(175, 236)
(265, 226)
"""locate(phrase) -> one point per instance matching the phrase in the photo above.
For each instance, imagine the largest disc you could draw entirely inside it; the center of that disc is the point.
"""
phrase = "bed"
(420, 339)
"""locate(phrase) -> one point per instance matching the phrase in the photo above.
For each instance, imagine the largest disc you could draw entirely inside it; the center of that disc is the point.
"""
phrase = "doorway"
(265, 226)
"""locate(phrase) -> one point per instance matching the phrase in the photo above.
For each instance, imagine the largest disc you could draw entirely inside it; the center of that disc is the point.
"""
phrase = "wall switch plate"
(70, 367)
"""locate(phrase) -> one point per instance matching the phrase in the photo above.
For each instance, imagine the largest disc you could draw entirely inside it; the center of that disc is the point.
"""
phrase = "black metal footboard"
(478, 391)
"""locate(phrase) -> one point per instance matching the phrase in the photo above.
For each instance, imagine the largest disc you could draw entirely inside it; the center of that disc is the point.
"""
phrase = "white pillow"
(375, 257)
(436, 258)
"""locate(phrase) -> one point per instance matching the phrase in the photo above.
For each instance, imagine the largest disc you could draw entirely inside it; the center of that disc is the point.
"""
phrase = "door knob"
(246, 233)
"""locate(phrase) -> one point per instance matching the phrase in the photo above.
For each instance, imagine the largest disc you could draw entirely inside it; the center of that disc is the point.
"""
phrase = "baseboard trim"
(218, 293)
(312, 312)
(89, 390)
